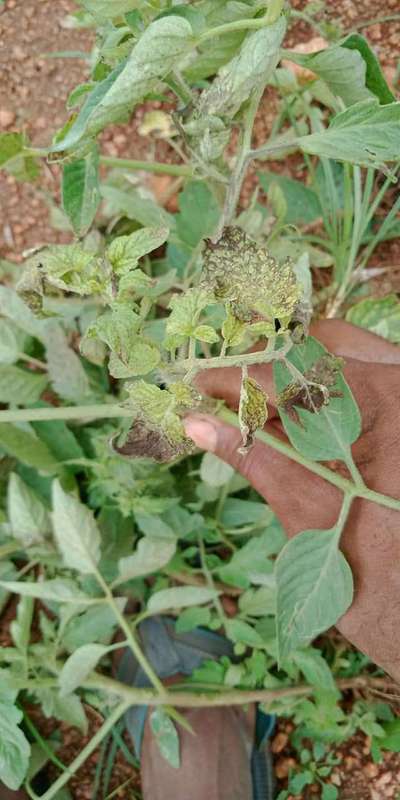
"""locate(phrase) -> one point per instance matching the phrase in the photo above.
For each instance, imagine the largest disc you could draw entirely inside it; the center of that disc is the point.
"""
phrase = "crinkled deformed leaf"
(314, 587)
(253, 411)
(157, 431)
(75, 531)
(30, 521)
(249, 69)
(80, 191)
(252, 283)
(380, 315)
(124, 252)
(159, 49)
(67, 267)
(131, 353)
(185, 312)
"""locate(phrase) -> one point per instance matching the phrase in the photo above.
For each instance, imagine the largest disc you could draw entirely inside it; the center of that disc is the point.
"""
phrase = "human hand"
(303, 501)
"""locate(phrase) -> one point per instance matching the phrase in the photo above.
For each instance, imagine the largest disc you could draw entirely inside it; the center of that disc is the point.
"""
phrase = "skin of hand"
(304, 501)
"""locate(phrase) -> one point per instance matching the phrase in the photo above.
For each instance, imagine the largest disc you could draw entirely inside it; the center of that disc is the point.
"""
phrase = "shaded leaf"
(314, 588)
(365, 134)
(21, 386)
(75, 531)
(66, 372)
(214, 471)
(79, 665)
(159, 49)
(302, 203)
(180, 597)
(380, 315)
(80, 191)
(166, 736)
(28, 449)
(151, 555)
(14, 747)
(30, 521)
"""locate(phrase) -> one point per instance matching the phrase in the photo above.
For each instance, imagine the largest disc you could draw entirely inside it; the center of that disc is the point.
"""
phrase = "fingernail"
(202, 432)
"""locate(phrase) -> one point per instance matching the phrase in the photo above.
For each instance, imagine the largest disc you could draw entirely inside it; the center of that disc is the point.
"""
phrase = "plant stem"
(31, 360)
(212, 699)
(239, 172)
(180, 170)
(318, 469)
(91, 746)
(65, 413)
(131, 641)
(238, 25)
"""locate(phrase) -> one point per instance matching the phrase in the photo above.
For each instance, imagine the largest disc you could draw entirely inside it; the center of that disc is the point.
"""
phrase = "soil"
(33, 91)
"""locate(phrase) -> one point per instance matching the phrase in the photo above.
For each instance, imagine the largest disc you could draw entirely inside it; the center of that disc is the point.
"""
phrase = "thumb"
(292, 491)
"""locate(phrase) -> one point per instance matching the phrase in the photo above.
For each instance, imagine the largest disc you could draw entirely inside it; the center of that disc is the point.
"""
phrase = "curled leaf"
(315, 392)
(157, 431)
(249, 280)
(253, 411)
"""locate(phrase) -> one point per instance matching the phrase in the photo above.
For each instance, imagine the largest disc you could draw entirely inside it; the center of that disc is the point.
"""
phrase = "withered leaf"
(253, 411)
(316, 390)
(144, 442)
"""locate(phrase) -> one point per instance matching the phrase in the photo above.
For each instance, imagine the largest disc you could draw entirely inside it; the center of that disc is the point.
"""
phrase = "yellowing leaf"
(253, 411)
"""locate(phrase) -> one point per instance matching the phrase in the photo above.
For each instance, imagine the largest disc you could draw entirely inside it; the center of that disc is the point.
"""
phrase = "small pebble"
(7, 117)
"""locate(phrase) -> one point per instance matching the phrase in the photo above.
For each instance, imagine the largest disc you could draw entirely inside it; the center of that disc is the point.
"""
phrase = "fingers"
(300, 499)
(348, 340)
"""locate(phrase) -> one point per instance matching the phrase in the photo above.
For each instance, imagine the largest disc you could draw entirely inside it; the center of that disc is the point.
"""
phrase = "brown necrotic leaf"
(253, 411)
(316, 390)
(144, 442)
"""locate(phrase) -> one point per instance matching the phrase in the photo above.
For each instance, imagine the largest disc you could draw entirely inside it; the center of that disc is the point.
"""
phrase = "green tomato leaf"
(380, 315)
(259, 602)
(314, 588)
(96, 624)
(214, 471)
(60, 590)
(9, 342)
(75, 531)
(79, 665)
(314, 668)
(205, 333)
(136, 207)
(329, 433)
(66, 709)
(166, 736)
(28, 449)
(248, 70)
(161, 46)
(20, 386)
(350, 69)
(14, 747)
(192, 618)
(29, 519)
(66, 372)
(180, 597)
(131, 353)
(365, 134)
(80, 191)
(102, 9)
(242, 633)
(302, 203)
(151, 555)
(20, 627)
(124, 252)
(250, 564)
(185, 312)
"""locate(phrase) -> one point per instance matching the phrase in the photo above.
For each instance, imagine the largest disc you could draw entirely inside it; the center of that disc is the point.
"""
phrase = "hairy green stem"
(179, 170)
(239, 25)
(87, 751)
(210, 699)
(133, 644)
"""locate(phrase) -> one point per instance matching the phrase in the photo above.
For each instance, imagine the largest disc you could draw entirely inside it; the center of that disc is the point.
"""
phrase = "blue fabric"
(170, 654)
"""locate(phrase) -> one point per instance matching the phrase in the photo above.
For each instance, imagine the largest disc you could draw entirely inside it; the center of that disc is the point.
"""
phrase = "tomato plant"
(101, 343)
